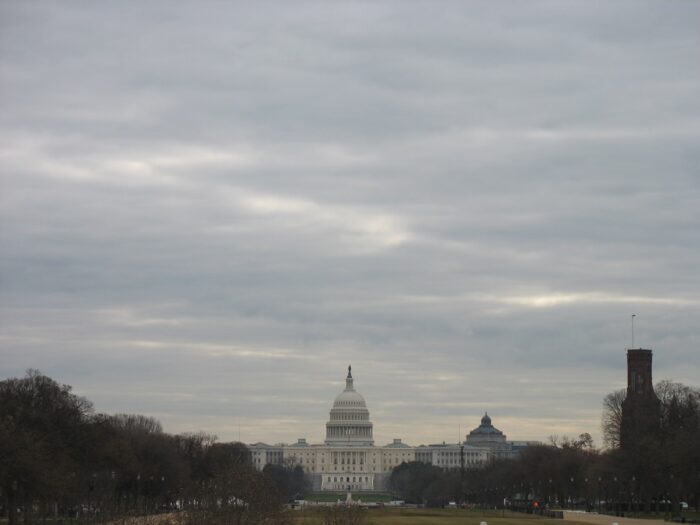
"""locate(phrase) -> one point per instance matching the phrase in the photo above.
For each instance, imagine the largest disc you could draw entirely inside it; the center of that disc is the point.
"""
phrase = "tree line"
(61, 460)
(661, 470)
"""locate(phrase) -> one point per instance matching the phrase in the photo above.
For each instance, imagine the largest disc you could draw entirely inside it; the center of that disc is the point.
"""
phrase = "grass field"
(367, 497)
(421, 517)
(388, 516)
(452, 517)
(408, 516)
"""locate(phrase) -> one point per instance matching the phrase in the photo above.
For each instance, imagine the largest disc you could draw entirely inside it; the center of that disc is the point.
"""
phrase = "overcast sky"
(210, 209)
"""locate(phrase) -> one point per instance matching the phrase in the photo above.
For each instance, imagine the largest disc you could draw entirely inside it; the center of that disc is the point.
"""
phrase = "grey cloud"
(208, 210)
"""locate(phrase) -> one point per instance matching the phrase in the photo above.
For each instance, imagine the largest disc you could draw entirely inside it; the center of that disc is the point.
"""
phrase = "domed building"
(348, 460)
(486, 432)
(488, 436)
(349, 423)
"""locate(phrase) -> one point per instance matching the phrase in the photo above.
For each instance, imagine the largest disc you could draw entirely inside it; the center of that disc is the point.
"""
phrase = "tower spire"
(348, 380)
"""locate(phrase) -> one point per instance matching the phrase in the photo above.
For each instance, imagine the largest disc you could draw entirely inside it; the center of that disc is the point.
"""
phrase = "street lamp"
(13, 503)
(113, 491)
(91, 489)
(164, 499)
(138, 492)
(573, 506)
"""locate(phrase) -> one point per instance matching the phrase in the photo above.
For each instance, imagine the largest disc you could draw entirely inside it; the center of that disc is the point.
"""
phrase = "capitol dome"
(349, 398)
(349, 422)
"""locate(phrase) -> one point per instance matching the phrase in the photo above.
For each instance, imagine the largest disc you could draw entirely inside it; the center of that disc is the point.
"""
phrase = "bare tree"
(612, 418)
(669, 393)
(137, 424)
(42, 424)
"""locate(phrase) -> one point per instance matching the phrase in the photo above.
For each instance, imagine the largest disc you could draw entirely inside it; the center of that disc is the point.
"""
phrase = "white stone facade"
(349, 461)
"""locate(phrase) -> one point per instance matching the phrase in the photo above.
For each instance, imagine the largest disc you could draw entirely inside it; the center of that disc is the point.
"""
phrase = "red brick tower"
(641, 408)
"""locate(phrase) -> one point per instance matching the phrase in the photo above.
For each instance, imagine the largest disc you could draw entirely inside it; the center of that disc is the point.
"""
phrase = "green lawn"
(390, 516)
(689, 515)
(452, 517)
(367, 497)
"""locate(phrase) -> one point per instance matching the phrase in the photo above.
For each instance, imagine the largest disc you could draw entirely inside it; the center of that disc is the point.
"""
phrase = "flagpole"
(633, 316)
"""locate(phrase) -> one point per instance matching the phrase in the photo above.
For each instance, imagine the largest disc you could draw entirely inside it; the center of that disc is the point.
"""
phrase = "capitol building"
(348, 460)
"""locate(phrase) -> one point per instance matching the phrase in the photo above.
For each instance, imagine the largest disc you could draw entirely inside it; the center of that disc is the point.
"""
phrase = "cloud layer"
(209, 209)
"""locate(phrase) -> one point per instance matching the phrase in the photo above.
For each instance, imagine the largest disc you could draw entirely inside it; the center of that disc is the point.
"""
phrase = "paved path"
(604, 519)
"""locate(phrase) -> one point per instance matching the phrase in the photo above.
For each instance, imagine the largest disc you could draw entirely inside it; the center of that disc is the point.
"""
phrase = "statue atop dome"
(348, 380)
